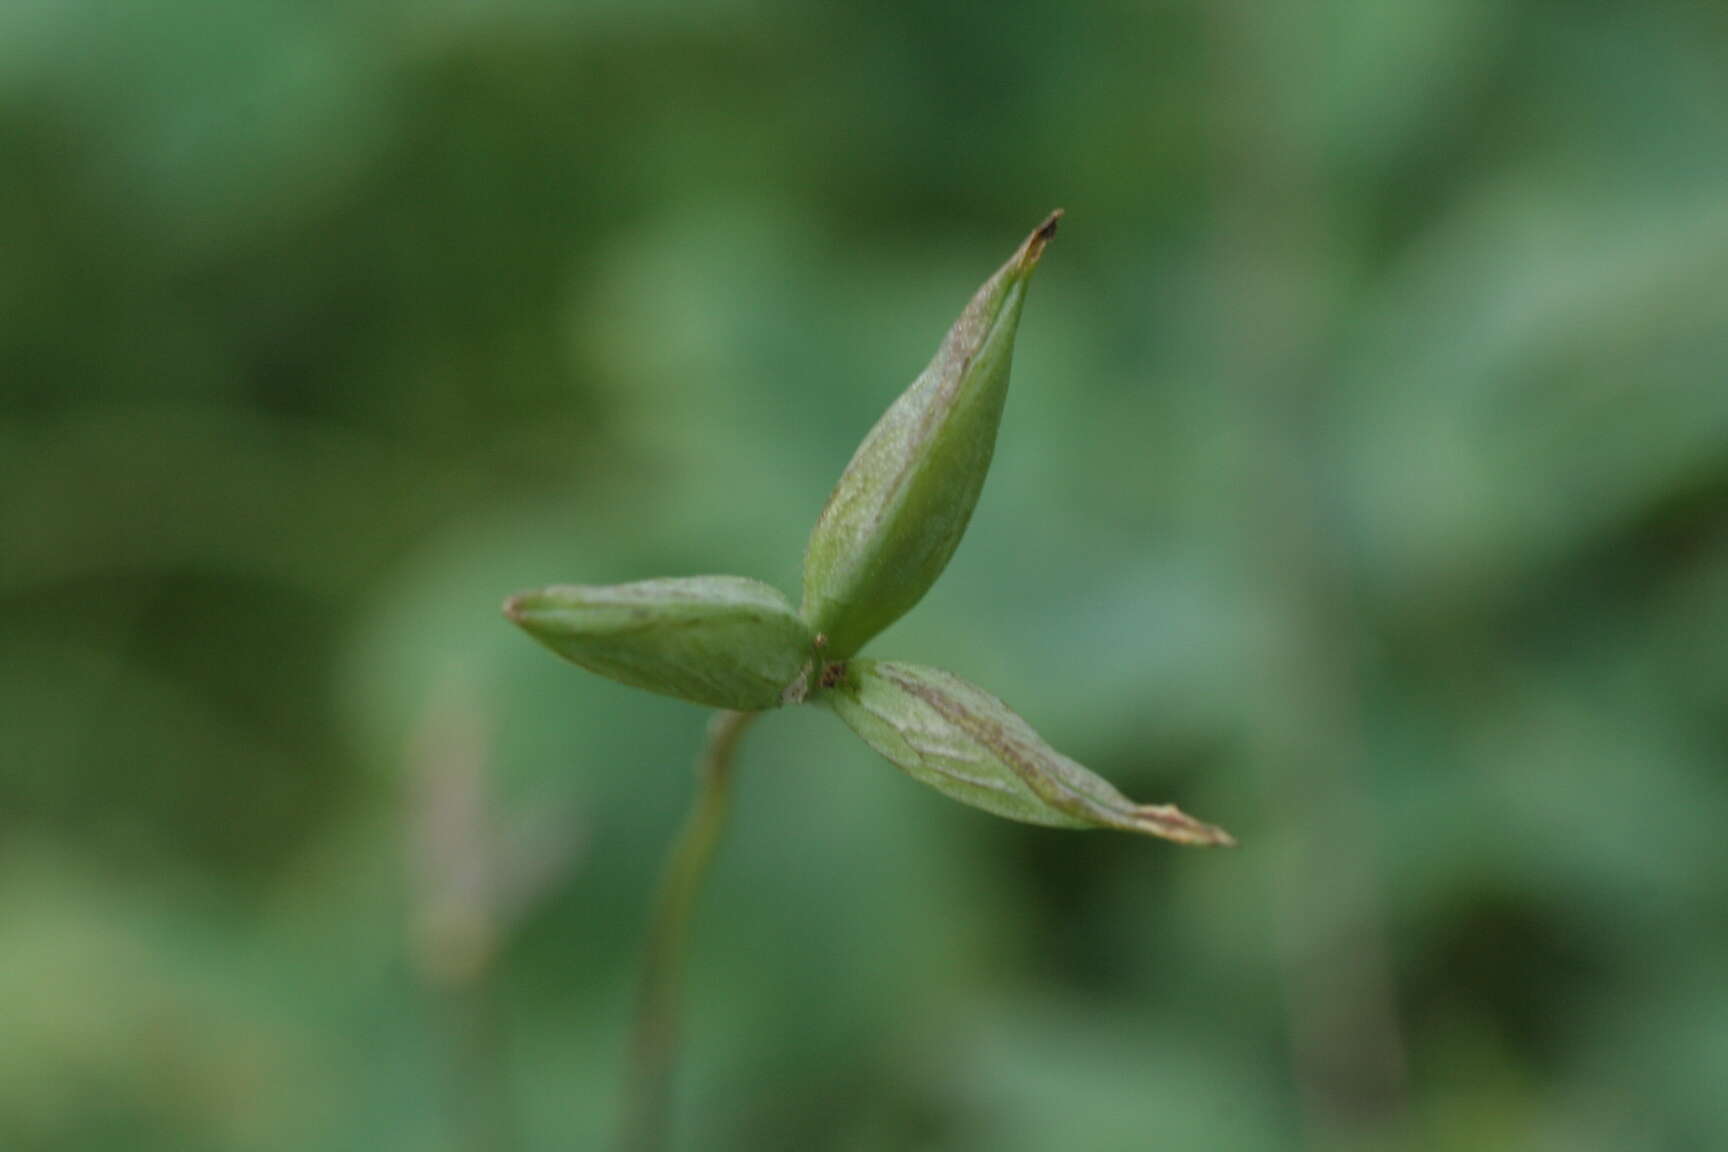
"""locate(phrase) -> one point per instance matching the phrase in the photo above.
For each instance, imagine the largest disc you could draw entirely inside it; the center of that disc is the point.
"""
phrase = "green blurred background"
(1364, 488)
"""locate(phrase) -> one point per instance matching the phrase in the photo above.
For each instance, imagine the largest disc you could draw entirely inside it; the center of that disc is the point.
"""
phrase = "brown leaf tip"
(1171, 823)
(1040, 237)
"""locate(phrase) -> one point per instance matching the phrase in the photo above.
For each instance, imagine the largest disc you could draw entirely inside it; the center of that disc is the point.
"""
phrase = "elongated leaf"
(723, 641)
(964, 742)
(904, 501)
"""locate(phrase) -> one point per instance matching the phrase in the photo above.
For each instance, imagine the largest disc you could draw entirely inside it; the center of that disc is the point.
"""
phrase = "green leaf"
(903, 503)
(723, 641)
(960, 740)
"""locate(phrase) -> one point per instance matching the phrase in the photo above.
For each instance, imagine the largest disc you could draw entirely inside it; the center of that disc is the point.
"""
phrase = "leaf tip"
(1171, 823)
(1033, 249)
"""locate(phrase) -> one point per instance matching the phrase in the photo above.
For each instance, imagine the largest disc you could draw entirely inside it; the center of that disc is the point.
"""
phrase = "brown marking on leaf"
(1164, 820)
(1172, 823)
(833, 674)
(1041, 236)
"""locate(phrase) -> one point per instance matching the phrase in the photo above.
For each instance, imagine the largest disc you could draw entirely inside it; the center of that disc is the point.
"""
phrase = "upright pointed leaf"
(962, 741)
(903, 503)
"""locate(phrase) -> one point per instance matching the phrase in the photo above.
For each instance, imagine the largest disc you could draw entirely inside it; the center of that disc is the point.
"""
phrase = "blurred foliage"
(1364, 487)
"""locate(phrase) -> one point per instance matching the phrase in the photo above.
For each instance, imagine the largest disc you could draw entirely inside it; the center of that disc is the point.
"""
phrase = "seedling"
(887, 532)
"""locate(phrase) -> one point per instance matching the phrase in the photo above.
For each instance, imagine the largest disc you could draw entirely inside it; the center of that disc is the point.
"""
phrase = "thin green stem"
(654, 1044)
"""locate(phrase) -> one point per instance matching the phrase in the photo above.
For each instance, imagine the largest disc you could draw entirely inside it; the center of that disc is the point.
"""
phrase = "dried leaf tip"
(1041, 235)
(1171, 823)
(1027, 258)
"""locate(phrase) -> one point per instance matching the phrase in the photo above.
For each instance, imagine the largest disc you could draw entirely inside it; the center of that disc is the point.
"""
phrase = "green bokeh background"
(1364, 488)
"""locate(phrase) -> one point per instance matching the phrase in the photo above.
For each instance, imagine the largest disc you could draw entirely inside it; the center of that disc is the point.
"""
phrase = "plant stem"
(1282, 268)
(654, 1043)
(458, 924)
